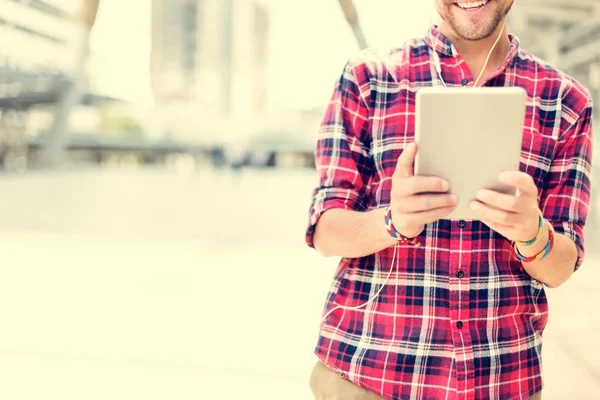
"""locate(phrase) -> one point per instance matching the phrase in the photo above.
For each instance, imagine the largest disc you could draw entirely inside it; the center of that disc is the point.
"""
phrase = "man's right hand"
(417, 200)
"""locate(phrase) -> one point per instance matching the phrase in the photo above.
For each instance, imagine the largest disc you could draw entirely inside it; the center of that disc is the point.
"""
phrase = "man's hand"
(514, 217)
(417, 200)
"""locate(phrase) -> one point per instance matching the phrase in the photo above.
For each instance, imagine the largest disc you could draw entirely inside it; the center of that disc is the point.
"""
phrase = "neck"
(474, 52)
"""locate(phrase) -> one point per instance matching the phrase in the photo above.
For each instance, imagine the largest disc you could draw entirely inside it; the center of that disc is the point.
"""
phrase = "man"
(423, 307)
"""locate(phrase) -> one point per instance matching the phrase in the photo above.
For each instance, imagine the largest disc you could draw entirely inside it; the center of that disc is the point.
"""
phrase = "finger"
(495, 215)
(404, 166)
(427, 202)
(521, 181)
(425, 217)
(504, 201)
(421, 184)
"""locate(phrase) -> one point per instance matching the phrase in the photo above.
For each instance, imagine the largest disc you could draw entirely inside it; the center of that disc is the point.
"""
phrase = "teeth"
(472, 4)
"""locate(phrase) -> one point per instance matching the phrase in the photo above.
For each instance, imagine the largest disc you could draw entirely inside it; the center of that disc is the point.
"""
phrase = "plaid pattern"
(459, 318)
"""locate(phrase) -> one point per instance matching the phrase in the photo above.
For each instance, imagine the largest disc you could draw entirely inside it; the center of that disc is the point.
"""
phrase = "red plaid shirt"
(459, 317)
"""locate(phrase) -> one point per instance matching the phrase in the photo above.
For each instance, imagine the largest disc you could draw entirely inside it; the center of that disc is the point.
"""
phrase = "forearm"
(351, 234)
(558, 266)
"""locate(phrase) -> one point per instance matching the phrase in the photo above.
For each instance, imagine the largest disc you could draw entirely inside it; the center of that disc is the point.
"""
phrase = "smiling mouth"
(472, 5)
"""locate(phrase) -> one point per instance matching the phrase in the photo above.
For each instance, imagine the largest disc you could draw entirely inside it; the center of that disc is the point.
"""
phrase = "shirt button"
(459, 324)
(464, 82)
(460, 274)
(462, 223)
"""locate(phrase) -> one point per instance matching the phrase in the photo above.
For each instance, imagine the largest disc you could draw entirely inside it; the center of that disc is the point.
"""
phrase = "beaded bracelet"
(538, 236)
(389, 226)
(542, 254)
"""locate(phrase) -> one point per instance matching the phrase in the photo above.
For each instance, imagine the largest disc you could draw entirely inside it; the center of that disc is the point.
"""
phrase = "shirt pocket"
(537, 153)
(394, 132)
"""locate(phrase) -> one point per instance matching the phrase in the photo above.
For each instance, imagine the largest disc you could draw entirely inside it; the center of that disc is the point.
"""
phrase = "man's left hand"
(514, 217)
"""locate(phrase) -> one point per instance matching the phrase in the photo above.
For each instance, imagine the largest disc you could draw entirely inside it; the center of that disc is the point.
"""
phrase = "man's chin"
(473, 32)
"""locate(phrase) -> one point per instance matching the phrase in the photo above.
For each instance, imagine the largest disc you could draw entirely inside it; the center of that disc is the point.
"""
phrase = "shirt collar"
(440, 43)
(443, 46)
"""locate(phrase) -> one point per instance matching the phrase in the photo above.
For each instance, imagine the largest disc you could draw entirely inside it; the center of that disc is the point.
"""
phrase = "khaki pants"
(327, 385)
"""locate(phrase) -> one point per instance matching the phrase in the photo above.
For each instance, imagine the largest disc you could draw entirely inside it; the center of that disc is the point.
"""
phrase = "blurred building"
(37, 34)
(565, 33)
(208, 65)
(174, 48)
(36, 58)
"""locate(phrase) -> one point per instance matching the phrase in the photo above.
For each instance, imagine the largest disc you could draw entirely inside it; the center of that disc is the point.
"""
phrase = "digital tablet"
(468, 136)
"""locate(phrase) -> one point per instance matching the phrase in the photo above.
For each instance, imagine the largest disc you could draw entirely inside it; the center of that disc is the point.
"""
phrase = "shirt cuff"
(326, 199)
(575, 233)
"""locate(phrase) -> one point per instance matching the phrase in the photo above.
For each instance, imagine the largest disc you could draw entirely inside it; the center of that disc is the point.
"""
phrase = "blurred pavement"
(148, 284)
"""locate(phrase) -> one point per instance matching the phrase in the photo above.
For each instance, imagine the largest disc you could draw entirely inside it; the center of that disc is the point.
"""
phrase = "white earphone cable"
(438, 65)
(487, 59)
(372, 298)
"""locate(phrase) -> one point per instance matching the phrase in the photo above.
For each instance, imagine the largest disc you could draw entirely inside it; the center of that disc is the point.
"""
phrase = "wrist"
(409, 232)
(543, 253)
(536, 235)
(538, 246)
(377, 220)
(400, 232)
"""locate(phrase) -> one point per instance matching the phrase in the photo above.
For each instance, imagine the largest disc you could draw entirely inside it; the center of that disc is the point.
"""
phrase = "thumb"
(404, 166)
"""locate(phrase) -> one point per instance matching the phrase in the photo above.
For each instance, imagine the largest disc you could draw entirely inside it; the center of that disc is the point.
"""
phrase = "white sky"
(309, 44)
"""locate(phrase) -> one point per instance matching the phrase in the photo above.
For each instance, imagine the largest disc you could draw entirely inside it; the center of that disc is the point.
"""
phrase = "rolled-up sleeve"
(342, 155)
(566, 193)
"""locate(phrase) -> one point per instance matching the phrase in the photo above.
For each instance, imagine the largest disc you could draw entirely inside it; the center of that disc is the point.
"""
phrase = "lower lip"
(473, 10)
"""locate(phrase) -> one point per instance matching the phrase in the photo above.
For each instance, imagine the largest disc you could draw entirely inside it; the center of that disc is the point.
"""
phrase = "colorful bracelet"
(389, 226)
(542, 254)
(538, 236)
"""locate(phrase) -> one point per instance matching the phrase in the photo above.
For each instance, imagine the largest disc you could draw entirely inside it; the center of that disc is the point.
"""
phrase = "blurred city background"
(156, 166)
